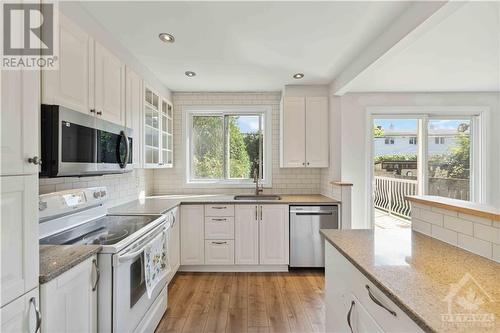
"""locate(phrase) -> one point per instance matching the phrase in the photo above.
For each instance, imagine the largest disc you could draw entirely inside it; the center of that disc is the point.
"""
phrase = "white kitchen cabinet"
(192, 235)
(69, 301)
(317, 139)
(274, 234)
(246, 235)
(158, 131)
(19, 133)
(304, 132)
(174, 246)
(19, 236)
(133, 112)
(109, 73)
(219, 252)
(69, 86)
(221, 227)
(20, 316)
(347, 289)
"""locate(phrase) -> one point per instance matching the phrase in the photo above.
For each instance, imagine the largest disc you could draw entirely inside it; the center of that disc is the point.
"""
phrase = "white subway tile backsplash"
(421, 226)
(431, 217)
(487, 233)
(475, 245)
(475, 219)
(459, 225)
(496, 252)
(446, 235)
(444, 211)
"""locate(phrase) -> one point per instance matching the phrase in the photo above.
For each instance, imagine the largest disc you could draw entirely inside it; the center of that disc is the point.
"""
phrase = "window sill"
(219, 185)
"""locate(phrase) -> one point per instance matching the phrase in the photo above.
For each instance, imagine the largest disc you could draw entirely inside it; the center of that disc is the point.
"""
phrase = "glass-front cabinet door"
(158, 123)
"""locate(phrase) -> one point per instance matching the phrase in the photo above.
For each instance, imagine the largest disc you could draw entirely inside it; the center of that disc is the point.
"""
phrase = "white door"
(68, 302)
(274, 234)
(109, 85)
(133, 112)
(20, 105)
(70, 85)
(19, 236)
(174, 245)
(192, 235)
(317, 139)
(246, 235)
(21, 314)
(293, 132)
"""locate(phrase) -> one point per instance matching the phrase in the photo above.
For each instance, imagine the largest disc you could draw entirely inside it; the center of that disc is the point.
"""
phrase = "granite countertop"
(57, 259)
(162, 203)
(416, 272)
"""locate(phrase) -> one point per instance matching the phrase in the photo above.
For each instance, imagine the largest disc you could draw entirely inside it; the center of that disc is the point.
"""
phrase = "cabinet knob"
(92, 110)
(303, 163)
(99, 113)
(35, 160)
(307, 163)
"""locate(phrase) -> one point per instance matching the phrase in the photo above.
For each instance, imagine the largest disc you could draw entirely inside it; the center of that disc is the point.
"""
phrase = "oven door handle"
(128, 256)
(123, 164)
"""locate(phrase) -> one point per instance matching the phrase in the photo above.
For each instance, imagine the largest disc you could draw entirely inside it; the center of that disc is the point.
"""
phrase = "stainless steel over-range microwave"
(76, 144)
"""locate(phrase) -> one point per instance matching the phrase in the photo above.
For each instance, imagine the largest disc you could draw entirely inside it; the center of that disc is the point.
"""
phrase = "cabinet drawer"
(221, 227)
(219, 210)
(219, 252)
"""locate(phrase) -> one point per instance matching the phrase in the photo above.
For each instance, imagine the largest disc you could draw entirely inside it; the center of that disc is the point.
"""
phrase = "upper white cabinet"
(69, 302)
(69, 86)
(133, 112)
(90, 78)
(274, 234)
(158, 129)
(192, 235)
(20, 105)
(109, 73)
(19, 236)
(304, 132)
(246, 235)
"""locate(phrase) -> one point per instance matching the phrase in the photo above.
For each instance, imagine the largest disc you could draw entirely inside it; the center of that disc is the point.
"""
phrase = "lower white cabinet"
(174, 246)
(69, 301)
(246, 235)
(21, 314)
(192, 235)
(219, 252)
(274, 234)
(349, 305)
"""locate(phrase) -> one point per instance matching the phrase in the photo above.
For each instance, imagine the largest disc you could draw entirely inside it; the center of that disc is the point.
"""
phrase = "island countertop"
(160, 204)
(416, 271)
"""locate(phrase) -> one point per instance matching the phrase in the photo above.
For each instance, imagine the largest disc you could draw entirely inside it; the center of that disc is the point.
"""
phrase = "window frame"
(226, 110)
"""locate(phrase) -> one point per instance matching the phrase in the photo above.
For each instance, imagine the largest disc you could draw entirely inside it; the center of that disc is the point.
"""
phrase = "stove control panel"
(63, 202)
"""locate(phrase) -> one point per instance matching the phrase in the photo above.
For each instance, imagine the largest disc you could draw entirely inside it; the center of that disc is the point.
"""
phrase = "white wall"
(299, 181)
(354, 155)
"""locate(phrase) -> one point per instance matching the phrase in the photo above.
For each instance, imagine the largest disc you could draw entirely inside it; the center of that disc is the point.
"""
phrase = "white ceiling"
(461, 53)
(245, 46)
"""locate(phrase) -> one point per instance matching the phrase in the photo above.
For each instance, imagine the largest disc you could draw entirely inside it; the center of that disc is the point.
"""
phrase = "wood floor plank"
(245, 302)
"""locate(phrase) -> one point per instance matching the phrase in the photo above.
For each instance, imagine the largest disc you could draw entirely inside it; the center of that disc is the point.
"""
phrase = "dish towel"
(156, 264)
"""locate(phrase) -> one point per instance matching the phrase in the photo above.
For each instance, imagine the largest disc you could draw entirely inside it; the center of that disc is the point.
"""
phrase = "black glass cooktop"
(106, 230)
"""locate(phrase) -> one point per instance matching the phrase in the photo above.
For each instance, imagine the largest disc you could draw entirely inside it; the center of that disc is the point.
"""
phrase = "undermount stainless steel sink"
(253, 197)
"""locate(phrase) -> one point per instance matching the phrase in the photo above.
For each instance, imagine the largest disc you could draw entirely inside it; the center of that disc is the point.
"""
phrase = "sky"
(248, 124)
(411, 124)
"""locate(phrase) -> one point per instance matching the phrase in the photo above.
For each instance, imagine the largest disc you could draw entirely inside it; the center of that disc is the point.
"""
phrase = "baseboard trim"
(233, 268)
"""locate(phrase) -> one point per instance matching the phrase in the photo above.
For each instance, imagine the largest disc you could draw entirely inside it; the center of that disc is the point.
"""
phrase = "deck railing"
(390, 195)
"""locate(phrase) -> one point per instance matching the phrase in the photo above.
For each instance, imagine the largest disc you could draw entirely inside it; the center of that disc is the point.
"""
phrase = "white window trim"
(479, 115)
(187, 116)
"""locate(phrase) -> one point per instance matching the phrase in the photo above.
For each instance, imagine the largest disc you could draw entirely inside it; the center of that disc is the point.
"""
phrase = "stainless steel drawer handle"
(219, 243)
(376, 301)
(37, 313)
(219, 207)
(98, 274)
(314, 213)
(349, 316)
(219, 220)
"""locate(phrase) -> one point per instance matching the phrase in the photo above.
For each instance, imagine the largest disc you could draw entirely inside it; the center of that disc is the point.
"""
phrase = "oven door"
(130, 298)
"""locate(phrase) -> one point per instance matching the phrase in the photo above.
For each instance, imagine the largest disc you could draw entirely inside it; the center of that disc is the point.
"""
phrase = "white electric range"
(79, 217)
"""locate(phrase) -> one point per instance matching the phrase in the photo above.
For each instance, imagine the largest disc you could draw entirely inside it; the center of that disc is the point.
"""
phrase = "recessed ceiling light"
(167, 38)
(190, 73)
(298, 76)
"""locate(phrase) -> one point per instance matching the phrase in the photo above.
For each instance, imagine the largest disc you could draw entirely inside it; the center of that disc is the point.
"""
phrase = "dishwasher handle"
(302, 213)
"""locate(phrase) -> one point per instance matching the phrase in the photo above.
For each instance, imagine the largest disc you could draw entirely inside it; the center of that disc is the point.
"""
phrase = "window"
(225, 146)
(439, 140)
(389, 141)
(413, 140)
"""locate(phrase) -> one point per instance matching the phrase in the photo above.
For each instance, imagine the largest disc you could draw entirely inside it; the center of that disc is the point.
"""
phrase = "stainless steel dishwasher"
(307, 247)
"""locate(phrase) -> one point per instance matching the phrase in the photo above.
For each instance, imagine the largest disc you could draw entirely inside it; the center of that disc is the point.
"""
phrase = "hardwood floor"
(245, 303)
